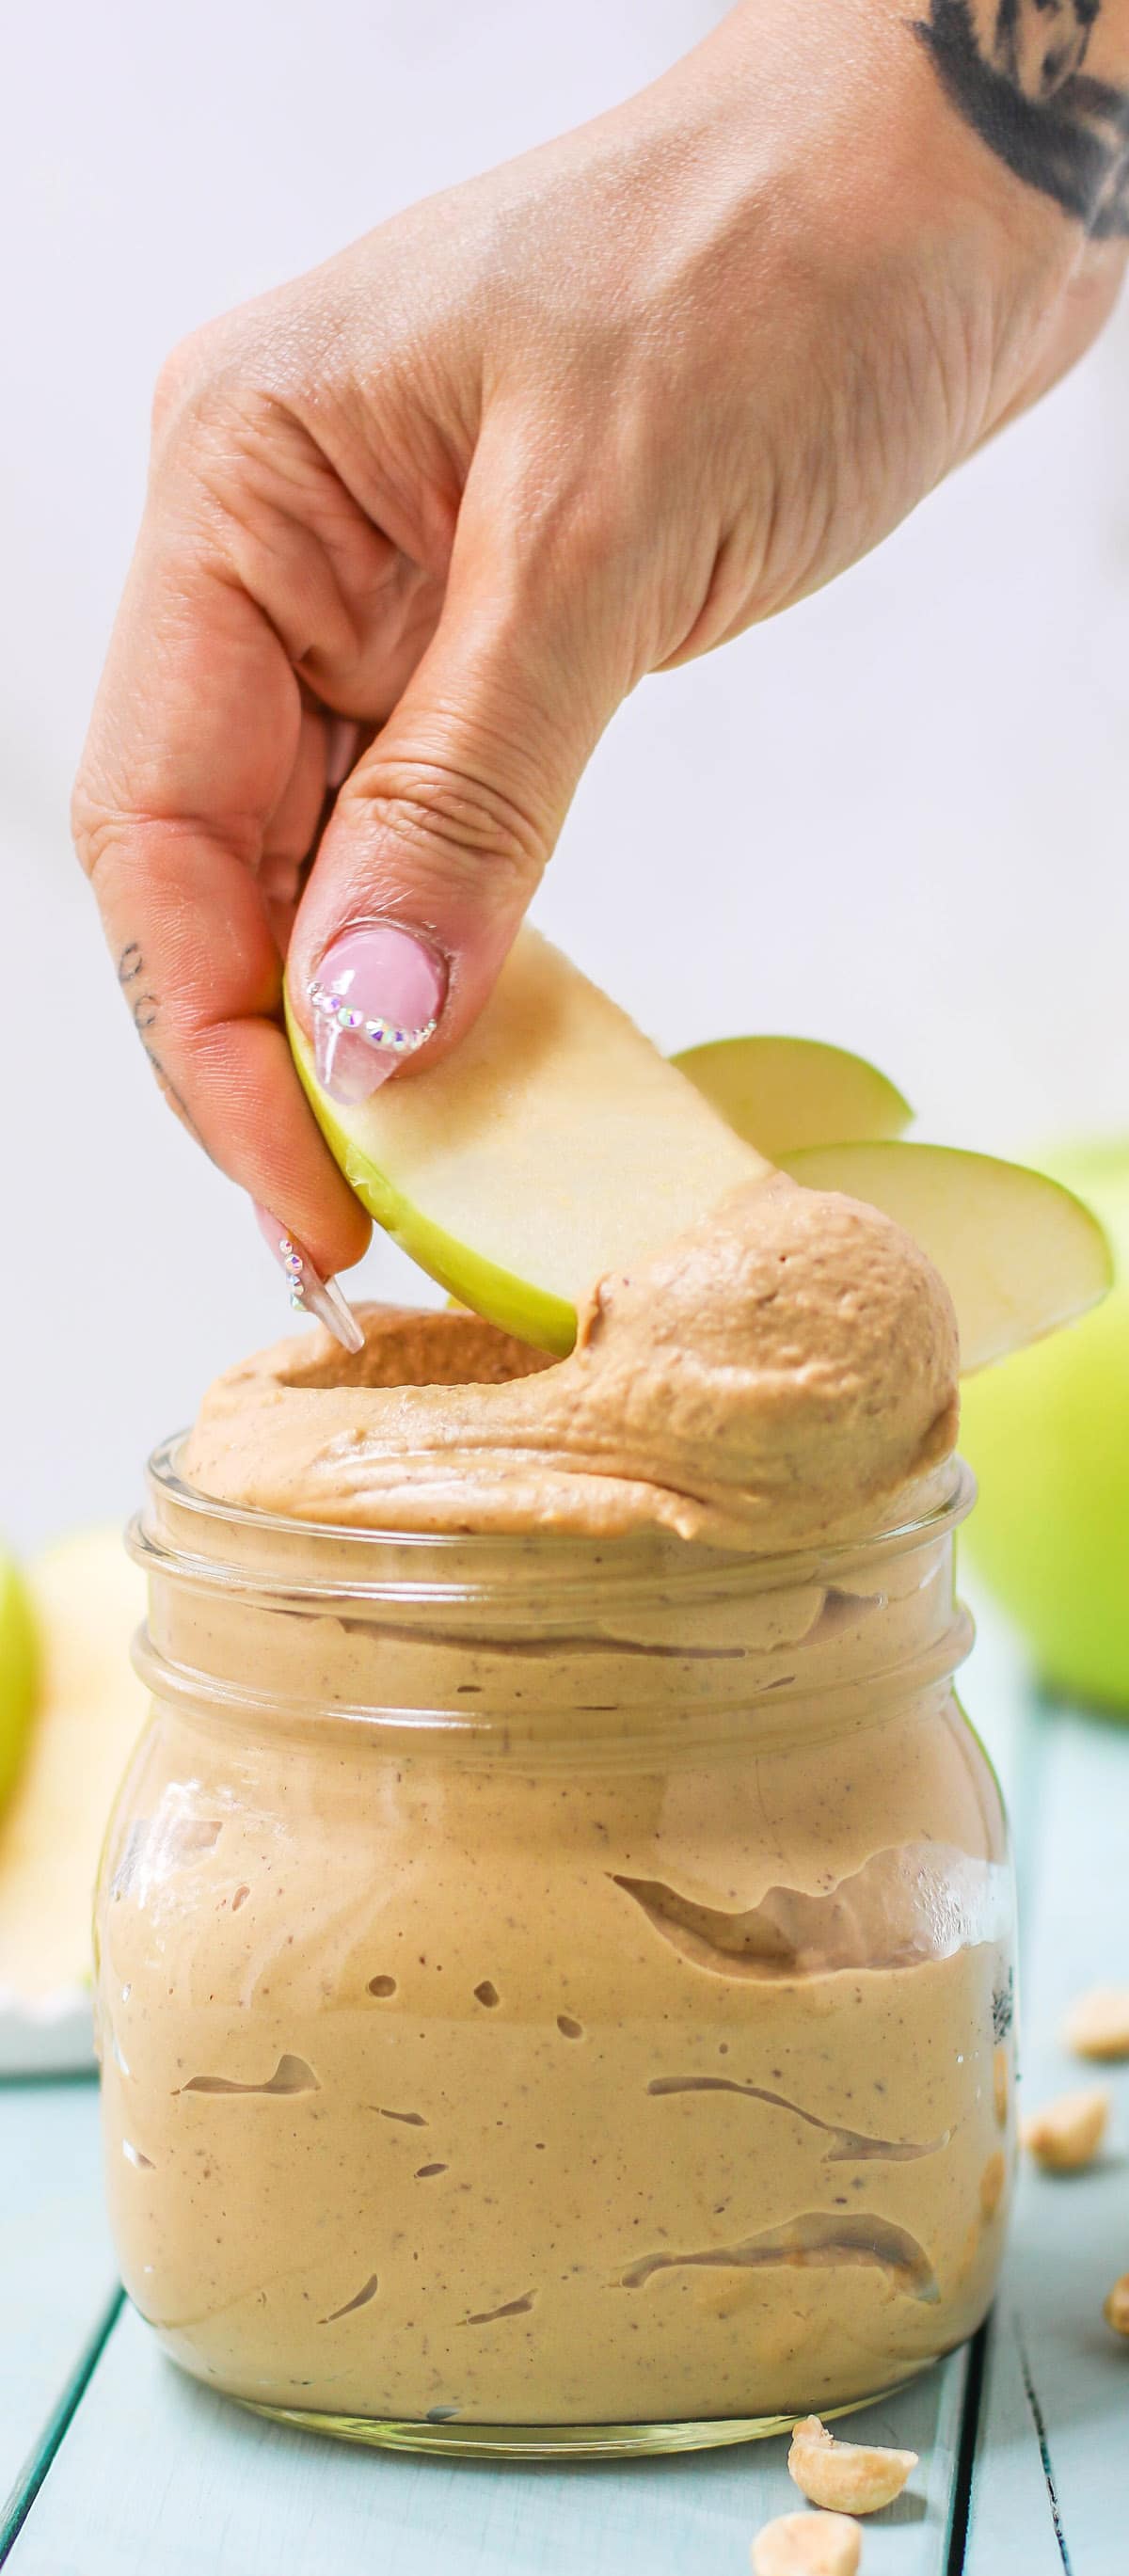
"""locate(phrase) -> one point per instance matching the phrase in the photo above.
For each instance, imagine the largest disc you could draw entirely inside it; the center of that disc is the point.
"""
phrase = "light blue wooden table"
(110, 2460)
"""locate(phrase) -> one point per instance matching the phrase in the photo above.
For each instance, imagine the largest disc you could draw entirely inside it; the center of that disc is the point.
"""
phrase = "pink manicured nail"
(310, 1294)
(376, 997)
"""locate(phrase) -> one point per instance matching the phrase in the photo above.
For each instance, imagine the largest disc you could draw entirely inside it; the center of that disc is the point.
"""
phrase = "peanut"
(1066, 2133)
(846, 2477)
(807, 2544)
(1097, 2025)
(1116, 2309)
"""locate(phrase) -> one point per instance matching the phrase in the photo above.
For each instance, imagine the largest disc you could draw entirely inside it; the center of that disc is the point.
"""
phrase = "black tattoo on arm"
(143, 1008)
(1015, 70)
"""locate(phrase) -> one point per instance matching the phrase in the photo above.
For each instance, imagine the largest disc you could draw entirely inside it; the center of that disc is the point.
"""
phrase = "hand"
(418, 522)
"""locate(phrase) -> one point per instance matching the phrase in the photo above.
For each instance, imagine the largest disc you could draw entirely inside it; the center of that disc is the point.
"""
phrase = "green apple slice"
(782, 1094)
(556, 1143)
(87, 1600)
(1049, 1442)
(1019, 1254)
(19, 1671)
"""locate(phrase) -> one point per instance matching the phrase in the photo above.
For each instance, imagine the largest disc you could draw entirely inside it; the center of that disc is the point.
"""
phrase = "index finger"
(192, 743)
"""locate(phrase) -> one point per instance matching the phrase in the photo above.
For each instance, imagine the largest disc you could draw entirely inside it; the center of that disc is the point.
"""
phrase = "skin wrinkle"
(303, 571)
(143, 1010)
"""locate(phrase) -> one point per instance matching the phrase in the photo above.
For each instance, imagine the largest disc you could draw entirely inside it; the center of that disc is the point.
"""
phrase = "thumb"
(440, 836)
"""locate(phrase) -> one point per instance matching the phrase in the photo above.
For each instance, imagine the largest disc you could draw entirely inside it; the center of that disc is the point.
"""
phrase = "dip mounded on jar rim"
(554, 1989)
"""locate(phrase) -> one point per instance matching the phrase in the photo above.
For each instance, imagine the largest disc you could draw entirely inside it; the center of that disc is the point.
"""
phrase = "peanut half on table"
(1098, 2024)
(1066, 2134)
(807, 2544)
(845, 2477)
(1116, 2308)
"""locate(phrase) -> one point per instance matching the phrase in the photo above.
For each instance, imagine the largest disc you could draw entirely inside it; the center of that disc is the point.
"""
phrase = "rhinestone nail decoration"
(294, 1266)
(383, 1034)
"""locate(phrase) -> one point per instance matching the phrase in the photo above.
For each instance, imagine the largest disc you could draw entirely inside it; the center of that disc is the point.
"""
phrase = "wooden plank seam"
(966, 2455)
(1039, 2421)
(19, 2502)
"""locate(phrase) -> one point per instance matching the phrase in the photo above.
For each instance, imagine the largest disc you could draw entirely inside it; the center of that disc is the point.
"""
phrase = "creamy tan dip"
(642, 2056)
(783, 1373)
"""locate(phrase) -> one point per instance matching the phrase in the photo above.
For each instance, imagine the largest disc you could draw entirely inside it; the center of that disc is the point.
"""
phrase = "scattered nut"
(1000, 2084)
(807, 2544)
(992, 2182)
(1098, 2024)
(1066, 2133)
(1116, 2309)
(846, 2477)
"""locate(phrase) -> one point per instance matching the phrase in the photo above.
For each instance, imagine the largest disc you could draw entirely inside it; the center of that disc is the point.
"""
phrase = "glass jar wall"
(553, 1995)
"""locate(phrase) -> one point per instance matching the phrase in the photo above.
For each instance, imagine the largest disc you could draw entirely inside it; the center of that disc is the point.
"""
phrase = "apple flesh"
(1018, 1253)
(782, 1094)
(86, 1599)
(1049, 1439)
(19, 1673)
(555, 1144)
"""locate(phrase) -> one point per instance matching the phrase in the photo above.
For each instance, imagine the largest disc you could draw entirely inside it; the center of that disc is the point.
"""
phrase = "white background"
(896, 818)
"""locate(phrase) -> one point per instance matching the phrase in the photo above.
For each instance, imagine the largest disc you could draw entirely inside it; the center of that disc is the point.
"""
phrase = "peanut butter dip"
(781, 1374)
(559, 1975)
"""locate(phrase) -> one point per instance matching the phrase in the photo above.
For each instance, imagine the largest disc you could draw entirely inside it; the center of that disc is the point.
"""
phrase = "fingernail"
(376, 997)
(310, 1294)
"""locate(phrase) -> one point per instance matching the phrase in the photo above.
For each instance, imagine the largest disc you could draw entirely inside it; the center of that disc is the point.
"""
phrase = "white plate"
(48, 2034)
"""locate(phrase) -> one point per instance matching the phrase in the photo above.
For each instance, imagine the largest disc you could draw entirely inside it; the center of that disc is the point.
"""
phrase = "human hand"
(418, 522)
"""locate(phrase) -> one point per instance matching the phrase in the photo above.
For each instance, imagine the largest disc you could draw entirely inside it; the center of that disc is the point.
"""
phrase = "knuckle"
(432, 808)
(240, 372)
(111, 843)
(187, 371)
(94, 831)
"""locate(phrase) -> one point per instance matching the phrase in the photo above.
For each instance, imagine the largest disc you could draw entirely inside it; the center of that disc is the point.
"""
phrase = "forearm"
(1045, 83)
(980, 142)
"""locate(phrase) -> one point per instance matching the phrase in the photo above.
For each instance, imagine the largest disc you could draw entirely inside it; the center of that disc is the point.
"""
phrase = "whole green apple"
(19, 1670)
(1048, 1436)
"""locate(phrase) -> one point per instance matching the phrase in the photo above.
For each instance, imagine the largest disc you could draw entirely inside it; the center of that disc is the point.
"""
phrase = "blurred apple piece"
(1049, 1440)
(782, 1094)
(1019, 1254)
(87, 1599)
(19, 1672)
(554, 1144)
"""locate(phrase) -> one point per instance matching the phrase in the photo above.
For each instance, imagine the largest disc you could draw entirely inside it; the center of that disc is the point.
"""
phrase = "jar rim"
(560, 1557)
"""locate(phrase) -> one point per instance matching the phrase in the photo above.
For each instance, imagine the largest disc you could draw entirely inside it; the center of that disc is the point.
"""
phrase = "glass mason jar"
(553, 1996)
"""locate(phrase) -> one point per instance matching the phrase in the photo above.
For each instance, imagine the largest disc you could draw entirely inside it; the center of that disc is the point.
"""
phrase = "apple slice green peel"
(1019, 1254)
(19, 1671)
(556, 1144)
(783, 1094)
